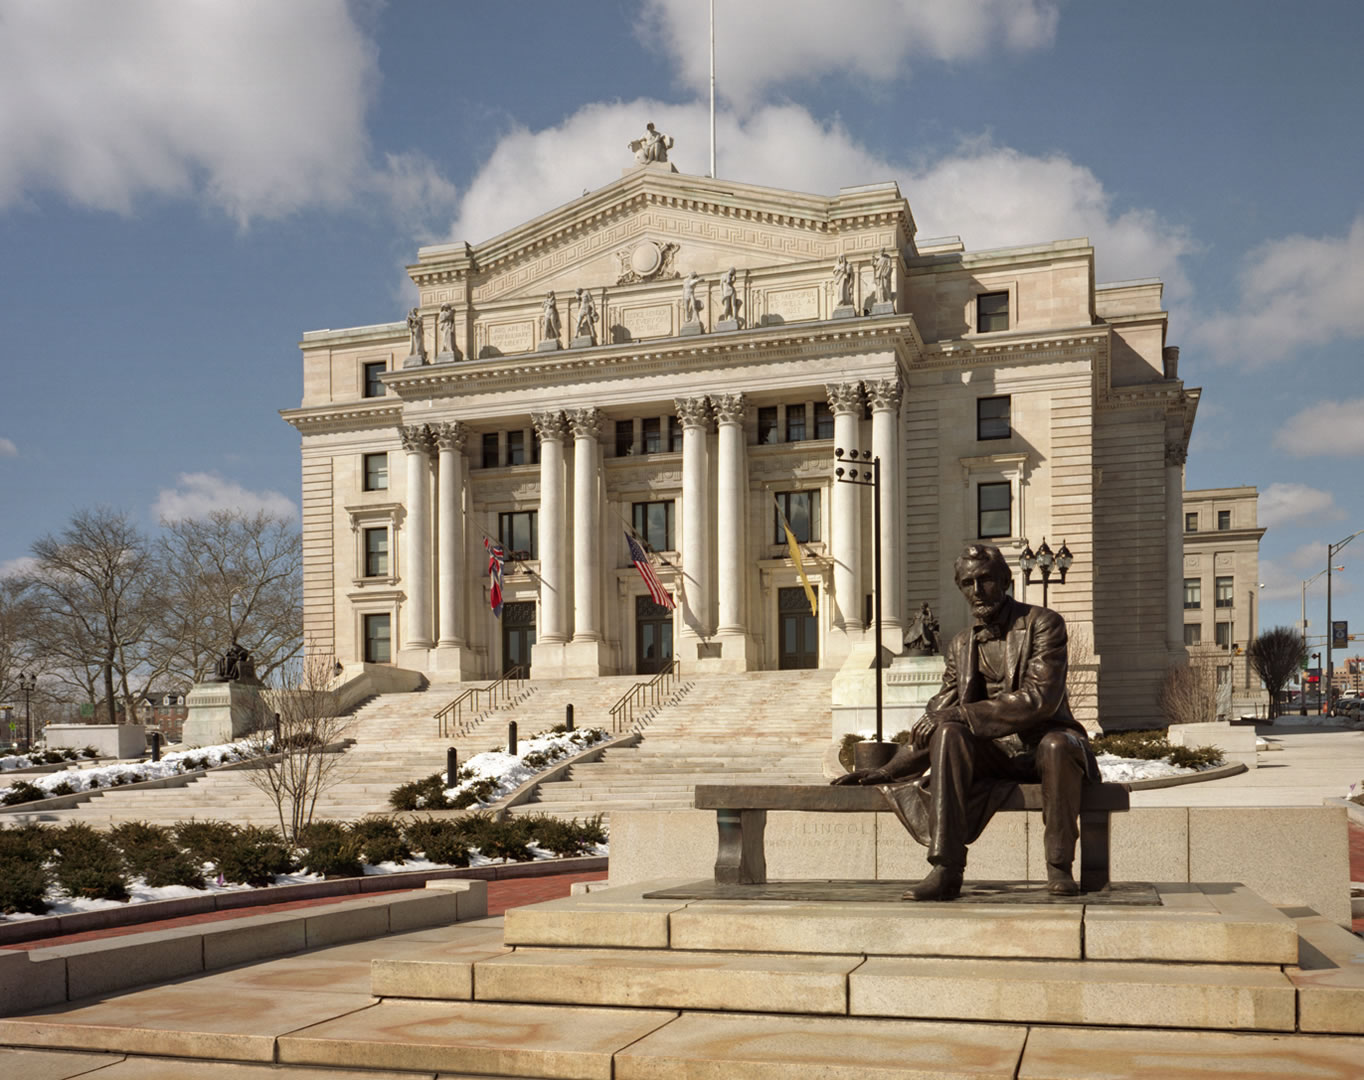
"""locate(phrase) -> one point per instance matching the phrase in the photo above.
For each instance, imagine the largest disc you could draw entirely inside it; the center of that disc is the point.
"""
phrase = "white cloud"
(1297, 291)
(990, 195)
(1328, 427)
(1280, 503)
(256, 106)
(759, 43)
(198, 494)
(7, 448)
(16, 566)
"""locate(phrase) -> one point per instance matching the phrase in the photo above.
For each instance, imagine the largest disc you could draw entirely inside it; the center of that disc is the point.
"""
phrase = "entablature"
(317, 419)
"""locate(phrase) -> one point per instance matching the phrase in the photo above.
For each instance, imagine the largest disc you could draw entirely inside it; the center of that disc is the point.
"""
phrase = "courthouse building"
(741, 335)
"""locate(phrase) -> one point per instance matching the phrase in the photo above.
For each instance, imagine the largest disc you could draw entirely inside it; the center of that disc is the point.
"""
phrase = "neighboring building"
(1221, 587)
(163, 712)
(1349, 676)
(1009, 398)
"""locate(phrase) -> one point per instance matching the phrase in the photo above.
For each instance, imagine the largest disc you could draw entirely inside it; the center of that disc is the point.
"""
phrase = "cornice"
(1025, 347)
(769, 343)
(316, 419)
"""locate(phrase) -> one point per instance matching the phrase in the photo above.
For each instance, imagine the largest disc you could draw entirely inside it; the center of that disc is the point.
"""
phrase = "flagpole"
(712, 89)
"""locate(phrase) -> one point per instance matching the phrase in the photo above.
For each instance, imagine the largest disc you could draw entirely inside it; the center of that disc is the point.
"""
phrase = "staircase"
(762, 726)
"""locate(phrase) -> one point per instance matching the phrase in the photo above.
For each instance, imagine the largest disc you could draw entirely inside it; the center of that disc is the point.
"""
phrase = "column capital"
(450, 436)
(1175, 453)
(729, 408)
(844, 397)
(884, 394)
(417, 438)
(585, 423)
(693, 412)
(550, 426)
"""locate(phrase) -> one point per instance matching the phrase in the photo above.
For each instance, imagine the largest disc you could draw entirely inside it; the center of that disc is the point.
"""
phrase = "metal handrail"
(644, 695)
(451, 721)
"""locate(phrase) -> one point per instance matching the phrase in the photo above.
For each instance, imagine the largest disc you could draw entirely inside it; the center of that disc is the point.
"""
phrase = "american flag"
(657, 592)
(496, 556)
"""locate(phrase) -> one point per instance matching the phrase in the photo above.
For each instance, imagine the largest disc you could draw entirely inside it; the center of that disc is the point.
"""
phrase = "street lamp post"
(28, 684)
(1302, 686)
(869, 478)
(1331, 551)
(1046, 561)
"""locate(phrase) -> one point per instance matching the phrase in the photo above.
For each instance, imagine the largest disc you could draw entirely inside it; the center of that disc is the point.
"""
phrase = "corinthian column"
(729, 546)
(845, 400)
(1175, 453)
(694, 414)
(418, 443)
(450, 533)
(587, 541)
(884, 395)
(551, 429)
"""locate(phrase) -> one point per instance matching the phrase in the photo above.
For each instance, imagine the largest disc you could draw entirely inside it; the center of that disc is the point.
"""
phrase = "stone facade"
(1007, 396)
(1220, 589)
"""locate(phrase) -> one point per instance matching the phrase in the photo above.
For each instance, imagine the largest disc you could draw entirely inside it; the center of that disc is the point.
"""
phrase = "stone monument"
(652, 146)
(729, 302)
(445, 330)
(416, 356)
(549, 324)
(227, 705)
(882, 272)
(586, 334)
(841, 282)
(691, 306)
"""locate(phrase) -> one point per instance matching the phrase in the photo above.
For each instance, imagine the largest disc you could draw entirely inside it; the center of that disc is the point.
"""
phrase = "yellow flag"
(794, 548)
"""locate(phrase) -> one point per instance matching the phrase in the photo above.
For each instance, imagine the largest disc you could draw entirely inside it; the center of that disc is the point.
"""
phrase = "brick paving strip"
(502, 894)
(1357, 863)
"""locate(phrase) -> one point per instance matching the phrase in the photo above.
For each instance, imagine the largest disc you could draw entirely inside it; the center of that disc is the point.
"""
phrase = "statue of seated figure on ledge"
(1001, 718)
(235, 665)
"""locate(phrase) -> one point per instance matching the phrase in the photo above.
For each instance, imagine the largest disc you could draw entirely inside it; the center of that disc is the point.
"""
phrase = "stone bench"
(741, 817)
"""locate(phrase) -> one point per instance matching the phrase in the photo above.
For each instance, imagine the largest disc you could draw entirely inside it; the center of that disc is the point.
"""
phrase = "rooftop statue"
(653, 146)
(445, 325)
(587, 316)
(729, 301)
(882, 270)
(691, 307)
(842, 282)
(414, 329)
(549, 318)
(1001, 718)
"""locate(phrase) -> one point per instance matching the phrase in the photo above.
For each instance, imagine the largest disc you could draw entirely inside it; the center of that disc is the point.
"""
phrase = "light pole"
(28, 684)
(869, 478)
(1331, 551)
(1302, 686)
(1043, 559)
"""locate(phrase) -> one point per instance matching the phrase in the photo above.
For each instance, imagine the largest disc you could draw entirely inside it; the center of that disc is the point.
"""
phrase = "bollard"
(568, 717)
(156, 746)
(511, 736)
(451, 766)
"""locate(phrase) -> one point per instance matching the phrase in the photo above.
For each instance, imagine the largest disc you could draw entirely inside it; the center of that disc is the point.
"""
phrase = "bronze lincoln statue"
(1001, 718)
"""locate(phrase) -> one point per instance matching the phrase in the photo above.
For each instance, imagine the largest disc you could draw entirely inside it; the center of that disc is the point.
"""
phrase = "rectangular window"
(534, 446)
(994, 510)
(1191, 523)
(653, 435)
(1193, 634)
(1193, 593)
(516, 448)
(674, 435)
(1223, 586)
(378, 639)
(992, 418)
(802, 512)
(795, 423)
(767, 425)
(1224, 634)
(490, 450)
(373, 387)
(653, 521)
(824, 420)
(517, 532)
(1223, 520)
(376, 472)
(992, 312)
(376, 552)
(625, 438)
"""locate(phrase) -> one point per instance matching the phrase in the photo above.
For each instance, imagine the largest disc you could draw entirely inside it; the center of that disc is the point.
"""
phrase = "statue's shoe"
(942, 883)
(1060, 882)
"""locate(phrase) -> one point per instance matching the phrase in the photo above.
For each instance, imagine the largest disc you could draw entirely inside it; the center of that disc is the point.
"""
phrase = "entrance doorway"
(797, 630)
(518, 634)
(653, 636)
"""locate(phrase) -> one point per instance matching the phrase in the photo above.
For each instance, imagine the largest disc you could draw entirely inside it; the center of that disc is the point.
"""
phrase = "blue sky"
(188, 185)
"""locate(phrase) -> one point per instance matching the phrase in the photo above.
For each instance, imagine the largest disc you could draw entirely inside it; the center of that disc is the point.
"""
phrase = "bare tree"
(94, 605)
(1188, 695)
(1276, 655)
(299, 730)
(235, 577)
(16, 643)
(1082, 674)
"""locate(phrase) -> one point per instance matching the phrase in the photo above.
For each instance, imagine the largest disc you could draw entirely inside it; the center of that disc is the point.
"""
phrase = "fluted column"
(587, 541)
(694, 413)
(845, 400)
(1175, 452)
(553, 579)
(731, 481)
(450, 533)
(418, 443)
(884, 395)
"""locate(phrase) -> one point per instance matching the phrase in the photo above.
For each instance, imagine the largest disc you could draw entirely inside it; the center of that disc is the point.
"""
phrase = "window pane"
(767, 425)
(1224, 592)
(1191, 523)
(1224, 634)
(1193, 592)
(516, 448)
(674, 435)
(1193, 634)
(654, 522)
(373, 387)
(376, 552)
(625, 438)
(653, 436)
(992, 418)
(517, 533)
(490, 450)
(993, 503)
(378, 639)
(1223, 520)
(992, 312)
(795, 423)
(376, 472)
(802, 513)
(824, 420)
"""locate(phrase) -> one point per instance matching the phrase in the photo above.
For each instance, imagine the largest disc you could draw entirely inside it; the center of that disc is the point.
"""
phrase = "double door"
(797, 630)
